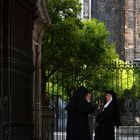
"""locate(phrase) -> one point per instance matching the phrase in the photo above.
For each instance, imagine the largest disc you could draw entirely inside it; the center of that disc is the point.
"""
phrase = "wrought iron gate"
(123, 78)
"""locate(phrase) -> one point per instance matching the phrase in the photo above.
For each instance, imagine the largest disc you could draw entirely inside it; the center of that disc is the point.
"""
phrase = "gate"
(122, 77)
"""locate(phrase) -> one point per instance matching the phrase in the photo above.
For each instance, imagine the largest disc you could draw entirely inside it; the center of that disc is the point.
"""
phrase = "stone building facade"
(132, 30)
(122, 19)
(16, 69)
(22, 25)
(86, 9)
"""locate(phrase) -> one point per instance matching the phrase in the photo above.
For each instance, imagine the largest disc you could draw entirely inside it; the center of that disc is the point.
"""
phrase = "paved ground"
(62, 136)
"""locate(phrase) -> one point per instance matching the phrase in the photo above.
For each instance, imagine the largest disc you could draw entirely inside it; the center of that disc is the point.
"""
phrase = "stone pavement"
(123, 133)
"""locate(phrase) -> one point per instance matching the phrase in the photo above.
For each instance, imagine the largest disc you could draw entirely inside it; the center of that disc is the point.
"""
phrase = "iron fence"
(122, 77)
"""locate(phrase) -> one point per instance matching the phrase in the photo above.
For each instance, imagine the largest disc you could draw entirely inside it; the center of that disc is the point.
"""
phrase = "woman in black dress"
(78, 109)
(108, 118)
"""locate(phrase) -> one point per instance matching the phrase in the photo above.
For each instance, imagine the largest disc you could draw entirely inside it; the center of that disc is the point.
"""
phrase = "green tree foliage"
(63, 9)
(133, 89)
(60, 42)
(68, 43)
(73, 50)
(94, 47)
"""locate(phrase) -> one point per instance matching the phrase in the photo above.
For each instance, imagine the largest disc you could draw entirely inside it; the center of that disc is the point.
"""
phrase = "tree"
(63, 15)
(62, 9)
(72, 46)
(68, 43)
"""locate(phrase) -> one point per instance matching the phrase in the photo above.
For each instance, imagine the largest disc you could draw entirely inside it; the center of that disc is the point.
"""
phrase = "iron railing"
(122, 77)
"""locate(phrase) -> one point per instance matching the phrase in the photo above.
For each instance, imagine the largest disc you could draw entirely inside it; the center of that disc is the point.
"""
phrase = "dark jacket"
(77, 121)
(106, 120)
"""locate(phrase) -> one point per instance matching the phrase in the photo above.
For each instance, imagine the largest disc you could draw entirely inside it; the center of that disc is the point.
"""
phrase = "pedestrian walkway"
(123, 133)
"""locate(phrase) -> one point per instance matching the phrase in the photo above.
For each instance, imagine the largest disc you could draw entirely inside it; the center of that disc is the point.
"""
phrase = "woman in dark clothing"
(78, 109)
(108, 118)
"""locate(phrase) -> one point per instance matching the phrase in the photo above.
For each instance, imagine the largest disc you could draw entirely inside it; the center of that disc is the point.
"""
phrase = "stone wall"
(16, 69)
(132, 28)
(122, 19)
(111, 12)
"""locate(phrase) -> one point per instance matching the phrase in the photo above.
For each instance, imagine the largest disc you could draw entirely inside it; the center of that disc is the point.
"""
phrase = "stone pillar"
(16, 69)
(40, 24)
